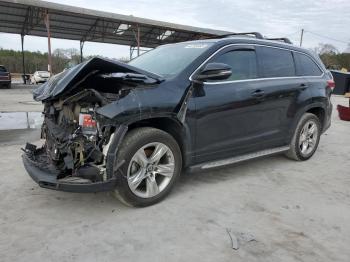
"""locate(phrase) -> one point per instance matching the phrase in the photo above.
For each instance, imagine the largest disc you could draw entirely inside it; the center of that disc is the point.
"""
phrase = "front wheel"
(152, 165)
(306, 138)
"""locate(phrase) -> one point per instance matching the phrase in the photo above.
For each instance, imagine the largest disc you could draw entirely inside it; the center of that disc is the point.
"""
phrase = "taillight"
(331, 84)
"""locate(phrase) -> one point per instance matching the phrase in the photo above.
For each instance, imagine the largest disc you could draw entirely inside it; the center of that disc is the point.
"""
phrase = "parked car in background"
(131, 128)
(39, 77)
(5, 77)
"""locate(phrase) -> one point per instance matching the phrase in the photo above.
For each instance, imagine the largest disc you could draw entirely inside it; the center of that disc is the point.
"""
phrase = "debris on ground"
(234, 241)
(239, 238)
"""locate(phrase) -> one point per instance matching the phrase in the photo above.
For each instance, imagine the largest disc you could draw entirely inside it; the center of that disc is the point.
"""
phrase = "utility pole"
(81, 50)
(138, 40)
(301, 37)
(23, 65)
(47, 24)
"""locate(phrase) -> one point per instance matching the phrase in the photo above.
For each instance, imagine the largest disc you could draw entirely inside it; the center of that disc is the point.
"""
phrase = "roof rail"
(284, 39)
(256, 34)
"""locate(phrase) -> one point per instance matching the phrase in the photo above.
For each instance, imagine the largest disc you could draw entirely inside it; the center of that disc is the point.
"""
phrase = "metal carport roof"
(26, 17)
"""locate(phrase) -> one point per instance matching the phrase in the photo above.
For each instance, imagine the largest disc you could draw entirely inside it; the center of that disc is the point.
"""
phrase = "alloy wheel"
(308, 137)
(150, 170)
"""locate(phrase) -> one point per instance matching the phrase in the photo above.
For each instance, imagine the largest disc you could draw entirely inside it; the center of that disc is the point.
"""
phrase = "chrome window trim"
(255, 79)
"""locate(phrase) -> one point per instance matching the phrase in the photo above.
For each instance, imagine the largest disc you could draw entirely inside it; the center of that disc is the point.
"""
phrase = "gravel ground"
(274, 209)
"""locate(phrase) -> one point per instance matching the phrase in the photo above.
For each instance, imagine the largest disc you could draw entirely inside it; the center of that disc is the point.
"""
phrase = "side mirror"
(214, 71)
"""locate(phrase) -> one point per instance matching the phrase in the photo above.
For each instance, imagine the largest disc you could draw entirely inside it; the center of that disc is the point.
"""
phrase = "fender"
(121, 110)
(112, 163)
(140, 103)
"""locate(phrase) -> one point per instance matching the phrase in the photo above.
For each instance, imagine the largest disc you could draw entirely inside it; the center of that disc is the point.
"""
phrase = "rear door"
(282, 88)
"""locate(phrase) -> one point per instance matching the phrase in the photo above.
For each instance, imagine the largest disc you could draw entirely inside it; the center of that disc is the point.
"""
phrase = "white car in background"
(39, 77)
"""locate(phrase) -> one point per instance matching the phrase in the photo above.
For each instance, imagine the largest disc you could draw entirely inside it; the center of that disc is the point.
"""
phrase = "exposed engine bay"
(76, 137)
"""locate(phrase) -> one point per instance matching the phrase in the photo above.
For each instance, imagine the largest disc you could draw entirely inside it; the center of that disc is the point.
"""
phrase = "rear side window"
(276, 62)
(306, 66)
(3, 69)
(242, 62)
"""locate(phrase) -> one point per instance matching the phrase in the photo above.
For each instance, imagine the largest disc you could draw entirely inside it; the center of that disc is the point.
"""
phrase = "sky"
(324, 21)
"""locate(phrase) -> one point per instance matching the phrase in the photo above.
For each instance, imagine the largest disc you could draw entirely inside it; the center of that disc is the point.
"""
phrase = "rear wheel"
(9, 86)
(152, 165)
(306, 138)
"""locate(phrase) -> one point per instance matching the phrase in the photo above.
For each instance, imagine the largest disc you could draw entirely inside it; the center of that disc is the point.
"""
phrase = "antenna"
(301, 36)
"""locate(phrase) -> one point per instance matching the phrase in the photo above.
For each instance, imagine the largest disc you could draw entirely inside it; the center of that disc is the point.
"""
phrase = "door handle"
(303, 86)
(258, 93)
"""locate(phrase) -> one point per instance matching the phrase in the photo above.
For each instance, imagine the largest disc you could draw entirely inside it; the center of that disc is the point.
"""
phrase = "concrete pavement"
(295, 211)
(19, 99)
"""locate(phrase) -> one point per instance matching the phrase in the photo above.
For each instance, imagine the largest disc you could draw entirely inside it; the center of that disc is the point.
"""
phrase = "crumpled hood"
(68, 79)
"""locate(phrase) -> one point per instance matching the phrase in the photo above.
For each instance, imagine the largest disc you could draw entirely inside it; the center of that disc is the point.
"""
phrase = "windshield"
(169, 60)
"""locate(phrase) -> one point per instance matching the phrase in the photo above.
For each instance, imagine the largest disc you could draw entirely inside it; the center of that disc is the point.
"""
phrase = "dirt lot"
(290, 211)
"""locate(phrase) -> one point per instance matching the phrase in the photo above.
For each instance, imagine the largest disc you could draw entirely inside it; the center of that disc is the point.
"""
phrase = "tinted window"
(306, 66)
(242, 62)
(276, 62)
(3, 69)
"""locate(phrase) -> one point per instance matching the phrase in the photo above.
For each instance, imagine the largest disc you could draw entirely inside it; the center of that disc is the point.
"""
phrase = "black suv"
(5, 77)
(131, 128)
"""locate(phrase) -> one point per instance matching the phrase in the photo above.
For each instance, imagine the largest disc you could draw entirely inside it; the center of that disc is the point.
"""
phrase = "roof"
(26, 17)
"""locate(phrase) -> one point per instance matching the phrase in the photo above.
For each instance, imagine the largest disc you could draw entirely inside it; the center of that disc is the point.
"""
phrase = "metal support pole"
(47, 24)
(301, 36)
(81, 50)
(138, 40)
(23, 65)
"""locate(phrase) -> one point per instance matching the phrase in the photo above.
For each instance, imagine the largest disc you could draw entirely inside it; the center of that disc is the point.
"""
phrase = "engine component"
(86, 121)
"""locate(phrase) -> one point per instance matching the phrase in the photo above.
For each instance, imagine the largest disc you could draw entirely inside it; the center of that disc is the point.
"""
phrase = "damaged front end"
(80, 145)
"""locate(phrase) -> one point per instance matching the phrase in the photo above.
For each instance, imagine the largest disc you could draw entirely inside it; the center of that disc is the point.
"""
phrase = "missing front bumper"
(47, 179)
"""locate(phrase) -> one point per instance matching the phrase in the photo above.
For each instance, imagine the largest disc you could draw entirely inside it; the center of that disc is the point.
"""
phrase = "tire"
(9, 86)
(143, 142)
(298, 151)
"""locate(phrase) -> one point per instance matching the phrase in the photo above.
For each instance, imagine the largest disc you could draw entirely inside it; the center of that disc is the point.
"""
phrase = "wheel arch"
(317, 109)
(172, 126)
(320, 112)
